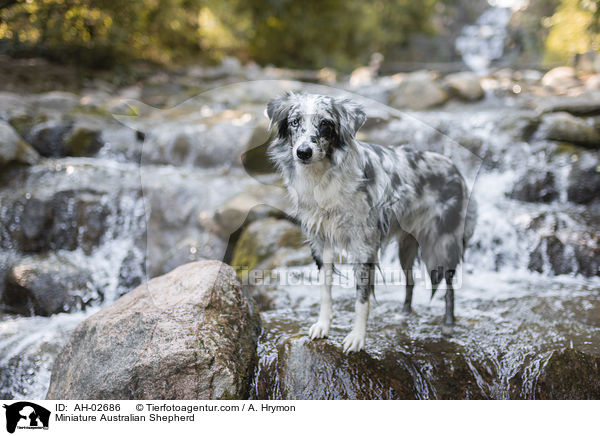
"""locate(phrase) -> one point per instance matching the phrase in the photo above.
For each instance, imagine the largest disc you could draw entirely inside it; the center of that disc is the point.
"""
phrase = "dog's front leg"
(321, 328)
(365, 285)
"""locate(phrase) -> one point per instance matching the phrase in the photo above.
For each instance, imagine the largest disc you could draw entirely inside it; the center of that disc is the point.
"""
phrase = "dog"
(354, 197)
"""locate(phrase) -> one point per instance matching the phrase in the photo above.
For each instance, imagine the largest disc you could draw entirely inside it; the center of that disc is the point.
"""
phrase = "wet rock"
(270, 243)
(45, 285)
(569, 375)
(562, 126)
(13, 149)
(298, 369)
(587, 254)
(584, 181)
(28, 346)
(560, 79)
(197, 145)
(536, 187)
(84, 139)
(418, 91)
(553, 252)
(190, 334)
(521, 126)
(464, 85)
(254, 203)
(529, 355)
(66, 220)
(577, 253)
(132, 271)
(48, 138)
(585, 104)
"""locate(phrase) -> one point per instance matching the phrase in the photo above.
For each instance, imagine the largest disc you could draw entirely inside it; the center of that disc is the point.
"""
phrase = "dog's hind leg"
(321, 328)
(407, 252)
(365, 287)
(449, 317)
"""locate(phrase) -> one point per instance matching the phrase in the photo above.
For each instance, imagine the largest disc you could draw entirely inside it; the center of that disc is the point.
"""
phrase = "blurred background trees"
(289, 33)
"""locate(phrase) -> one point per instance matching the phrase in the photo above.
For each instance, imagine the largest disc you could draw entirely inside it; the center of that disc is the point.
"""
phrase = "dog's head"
(314, 127)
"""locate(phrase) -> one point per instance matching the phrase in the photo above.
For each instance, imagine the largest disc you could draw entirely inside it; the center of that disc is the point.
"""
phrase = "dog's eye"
(294, 123)
(325, 128)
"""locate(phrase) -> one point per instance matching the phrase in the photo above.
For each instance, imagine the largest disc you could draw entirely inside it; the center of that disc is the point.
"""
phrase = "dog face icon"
(26, 414)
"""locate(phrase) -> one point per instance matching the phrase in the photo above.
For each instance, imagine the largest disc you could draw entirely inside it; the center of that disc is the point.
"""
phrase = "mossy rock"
(270, 243)
(83, 141)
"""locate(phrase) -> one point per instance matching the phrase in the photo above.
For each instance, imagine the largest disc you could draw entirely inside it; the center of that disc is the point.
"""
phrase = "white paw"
(318, 330)
(355, 341)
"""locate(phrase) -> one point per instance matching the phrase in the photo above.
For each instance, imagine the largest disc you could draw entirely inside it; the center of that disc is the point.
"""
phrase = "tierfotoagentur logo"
(26, 416)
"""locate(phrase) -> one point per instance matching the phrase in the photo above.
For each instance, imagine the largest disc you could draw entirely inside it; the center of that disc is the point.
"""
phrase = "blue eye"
(294, 123)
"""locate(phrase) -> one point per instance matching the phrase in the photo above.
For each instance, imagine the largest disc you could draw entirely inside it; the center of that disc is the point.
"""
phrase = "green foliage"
(289, 33)
(100, 33)
(574, 28)
(310, 33)
(332, 32)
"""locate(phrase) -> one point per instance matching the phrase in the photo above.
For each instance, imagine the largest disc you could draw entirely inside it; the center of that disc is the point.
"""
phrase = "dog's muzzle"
(304, 153)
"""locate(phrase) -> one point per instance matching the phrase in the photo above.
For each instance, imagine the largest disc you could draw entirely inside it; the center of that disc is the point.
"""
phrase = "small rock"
(577, 253)
(66, 220)
(190, 334)
(562, 126)
(536, 187)
(553, 252)
(584, 181)
(84, 139)
(48, 138)
(45, 285)
(587, 63)
(418, 91)
(561, 79)
(13, 149)
(465, 85)
(592, 83)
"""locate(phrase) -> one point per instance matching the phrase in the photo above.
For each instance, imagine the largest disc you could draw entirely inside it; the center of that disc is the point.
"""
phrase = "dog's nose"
(304, 153)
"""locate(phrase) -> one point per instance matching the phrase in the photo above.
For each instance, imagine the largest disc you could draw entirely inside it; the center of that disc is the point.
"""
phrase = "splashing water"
(482, 43)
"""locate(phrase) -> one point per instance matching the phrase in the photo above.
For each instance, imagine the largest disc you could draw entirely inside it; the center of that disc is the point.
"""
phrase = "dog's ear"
(351, 118)
(278, 110)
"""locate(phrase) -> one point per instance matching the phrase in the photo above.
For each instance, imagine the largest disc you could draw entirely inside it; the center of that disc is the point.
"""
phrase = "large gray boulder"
(190, 334)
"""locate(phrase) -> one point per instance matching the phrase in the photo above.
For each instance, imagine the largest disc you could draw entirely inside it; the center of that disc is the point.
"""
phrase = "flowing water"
(482, 43)
(511, 321)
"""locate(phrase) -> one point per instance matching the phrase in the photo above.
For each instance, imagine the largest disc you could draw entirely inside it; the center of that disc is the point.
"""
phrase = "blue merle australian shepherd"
(352, 197)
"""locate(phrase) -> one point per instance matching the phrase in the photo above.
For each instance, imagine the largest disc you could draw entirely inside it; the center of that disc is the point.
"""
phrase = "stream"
(91, 228)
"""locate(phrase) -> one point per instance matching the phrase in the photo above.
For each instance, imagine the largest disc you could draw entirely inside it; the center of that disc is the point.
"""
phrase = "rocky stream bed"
(104, 190)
